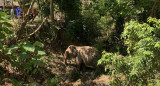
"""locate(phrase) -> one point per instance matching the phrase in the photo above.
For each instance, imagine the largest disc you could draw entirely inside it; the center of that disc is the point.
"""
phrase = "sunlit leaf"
(29, 47)
(14, 47)
(40, 52)
(7, 24)
(157, 45)
(2, 14)
(38, 44)
(147, 53)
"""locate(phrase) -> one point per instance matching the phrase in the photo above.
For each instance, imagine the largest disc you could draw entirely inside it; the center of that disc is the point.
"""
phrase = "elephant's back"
(90, 56)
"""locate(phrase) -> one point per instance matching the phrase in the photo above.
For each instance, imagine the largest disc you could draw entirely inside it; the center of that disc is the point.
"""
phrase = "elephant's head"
(71, 52)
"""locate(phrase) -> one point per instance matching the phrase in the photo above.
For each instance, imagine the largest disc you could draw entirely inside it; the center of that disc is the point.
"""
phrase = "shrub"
(141, 66)
(26, 57)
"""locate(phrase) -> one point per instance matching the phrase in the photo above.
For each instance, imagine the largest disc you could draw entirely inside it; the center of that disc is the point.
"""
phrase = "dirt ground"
(69, 75)
(72, 77)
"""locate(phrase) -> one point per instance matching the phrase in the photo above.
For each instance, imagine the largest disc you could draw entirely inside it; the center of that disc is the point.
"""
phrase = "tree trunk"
(52, 19)
(117, 41)
(51, 11)
(39, 7)
(153, 9)
(119, 26)
(13, 9)
(22, 29)
(23, 11)
(4, 3)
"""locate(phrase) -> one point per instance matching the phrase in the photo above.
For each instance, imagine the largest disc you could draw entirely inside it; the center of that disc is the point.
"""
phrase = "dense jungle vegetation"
(125, 32)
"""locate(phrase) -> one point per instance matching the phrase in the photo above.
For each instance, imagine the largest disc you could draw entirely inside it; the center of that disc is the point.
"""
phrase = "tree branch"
(153, 9)
(22, 27)
(37, 28)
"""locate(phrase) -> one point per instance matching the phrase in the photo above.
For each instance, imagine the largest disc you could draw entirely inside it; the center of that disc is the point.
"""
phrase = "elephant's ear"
(73, 48)
(74, 51)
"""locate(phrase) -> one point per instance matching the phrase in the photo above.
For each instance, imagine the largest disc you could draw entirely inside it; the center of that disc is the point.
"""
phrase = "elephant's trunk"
(65, 61)
(65, 58)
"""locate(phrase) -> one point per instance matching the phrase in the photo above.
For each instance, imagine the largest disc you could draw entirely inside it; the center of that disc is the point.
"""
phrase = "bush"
(141, 66)
(25, 57)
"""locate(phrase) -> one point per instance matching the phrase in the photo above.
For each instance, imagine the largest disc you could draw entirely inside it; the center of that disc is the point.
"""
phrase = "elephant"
(86, 55)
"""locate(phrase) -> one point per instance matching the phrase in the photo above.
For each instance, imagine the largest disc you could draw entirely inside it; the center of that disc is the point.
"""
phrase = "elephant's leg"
(89, 62)
(78, 60)
(82, 66)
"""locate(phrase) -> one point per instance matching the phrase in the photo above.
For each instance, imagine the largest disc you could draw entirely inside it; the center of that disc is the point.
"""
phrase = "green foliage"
(26, 55)
(44, 8)
(85, 21)
(17, 83)
(4, 28)
(4, 25)
(127, 8)
(85, 28)
(142, 36)
(20, 83)
(72, 8)
(115, 7)
(39, 44)
(141, 66)
(54, 81)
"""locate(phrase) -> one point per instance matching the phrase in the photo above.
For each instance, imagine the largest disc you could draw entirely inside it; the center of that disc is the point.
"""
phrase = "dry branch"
(37, 28)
